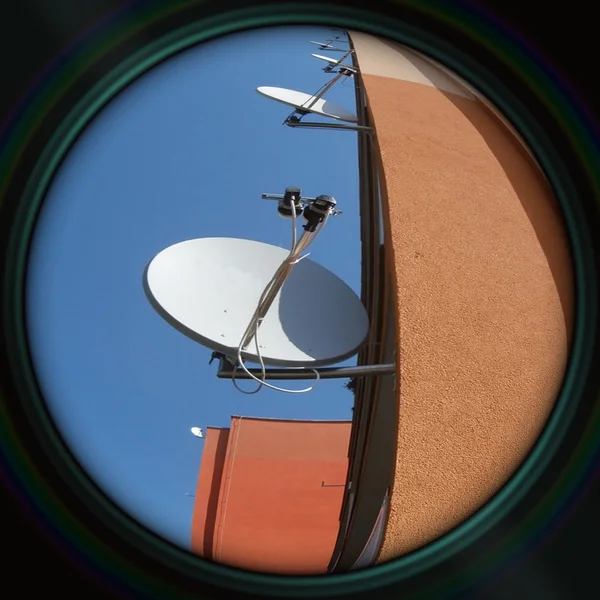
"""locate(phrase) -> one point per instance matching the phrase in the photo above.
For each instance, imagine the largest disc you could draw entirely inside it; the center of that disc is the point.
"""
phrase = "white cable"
(255, 321)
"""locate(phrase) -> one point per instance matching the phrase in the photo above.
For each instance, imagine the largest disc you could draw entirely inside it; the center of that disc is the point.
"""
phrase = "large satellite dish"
(197, 432)
(209, 288)
(307, 103)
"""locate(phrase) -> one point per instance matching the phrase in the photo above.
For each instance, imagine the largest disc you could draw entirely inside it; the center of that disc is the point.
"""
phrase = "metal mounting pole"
(331, 48)
(282, 196)
(305, 108)
(227, 370)
(322, 92)
(330, 126)
(346, 55)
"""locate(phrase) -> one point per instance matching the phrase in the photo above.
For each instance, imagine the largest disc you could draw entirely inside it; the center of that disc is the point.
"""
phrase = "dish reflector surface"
(328, 46)
(300, 99)
(208, 289)
(333, 61)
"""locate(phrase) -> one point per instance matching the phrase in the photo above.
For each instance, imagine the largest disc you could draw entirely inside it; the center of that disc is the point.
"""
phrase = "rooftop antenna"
(306, 103)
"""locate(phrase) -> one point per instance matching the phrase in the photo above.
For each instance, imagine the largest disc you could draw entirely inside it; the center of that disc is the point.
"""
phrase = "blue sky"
(184, 152)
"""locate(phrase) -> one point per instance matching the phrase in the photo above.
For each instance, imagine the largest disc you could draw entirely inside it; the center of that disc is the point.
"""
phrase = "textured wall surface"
(484, 294)
(269, 510)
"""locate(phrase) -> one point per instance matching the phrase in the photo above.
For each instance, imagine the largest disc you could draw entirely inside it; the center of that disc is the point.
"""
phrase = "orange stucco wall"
(483, 286)
(273, 513)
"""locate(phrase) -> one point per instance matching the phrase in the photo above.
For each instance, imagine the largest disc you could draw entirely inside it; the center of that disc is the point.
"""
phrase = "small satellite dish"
(300, 100)
(326, 46)
(331, 61)
(209, 288)
(197, 432)
(336, 63)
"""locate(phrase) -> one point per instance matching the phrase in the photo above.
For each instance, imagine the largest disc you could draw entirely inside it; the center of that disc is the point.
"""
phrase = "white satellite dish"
(209, 288)
(197, 432)
(301, 101)
(330, 60)
(334, 62)
(326, 46)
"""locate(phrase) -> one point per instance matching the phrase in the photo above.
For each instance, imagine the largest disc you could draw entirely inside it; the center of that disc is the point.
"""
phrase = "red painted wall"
(273, 513)
(207, 491)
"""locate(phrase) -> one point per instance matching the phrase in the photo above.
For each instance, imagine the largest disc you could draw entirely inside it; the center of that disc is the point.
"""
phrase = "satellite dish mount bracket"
(228, 369)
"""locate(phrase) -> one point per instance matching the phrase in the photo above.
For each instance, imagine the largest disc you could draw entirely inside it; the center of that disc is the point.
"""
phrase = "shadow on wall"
(391, 409)
(535, 195)
(532, 189)
(423, 69)
(213, 500)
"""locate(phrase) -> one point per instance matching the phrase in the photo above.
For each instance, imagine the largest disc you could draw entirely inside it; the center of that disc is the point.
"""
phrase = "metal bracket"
(314, 125)
(293, 120)
(343, 71)
(228, 370)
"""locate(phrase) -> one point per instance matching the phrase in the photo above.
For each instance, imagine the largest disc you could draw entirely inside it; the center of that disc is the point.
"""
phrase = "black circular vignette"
(30, 41)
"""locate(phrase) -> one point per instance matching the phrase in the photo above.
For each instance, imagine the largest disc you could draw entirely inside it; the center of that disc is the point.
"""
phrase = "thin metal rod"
(322, 92)
(330, 126)
(332, 48)
(282, 196)
(226, 371)
(305, 108)
(337, 39)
